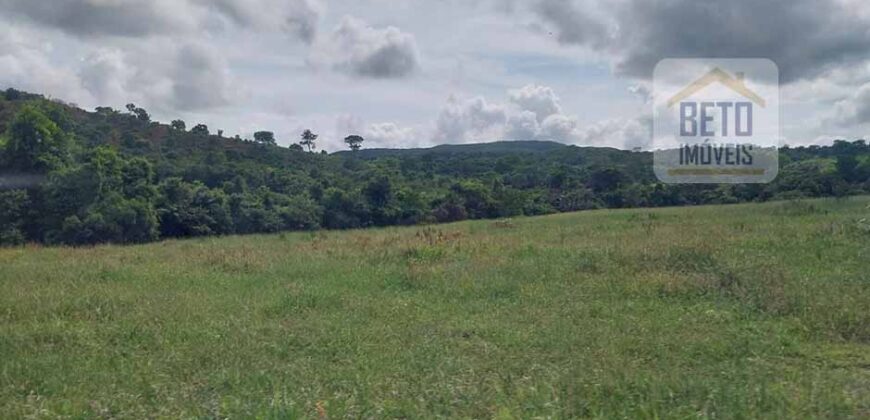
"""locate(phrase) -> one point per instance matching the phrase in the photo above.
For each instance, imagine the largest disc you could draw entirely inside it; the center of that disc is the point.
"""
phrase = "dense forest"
(68, 176)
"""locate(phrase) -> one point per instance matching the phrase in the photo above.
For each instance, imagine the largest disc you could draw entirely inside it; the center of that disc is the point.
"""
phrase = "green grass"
(744, 311)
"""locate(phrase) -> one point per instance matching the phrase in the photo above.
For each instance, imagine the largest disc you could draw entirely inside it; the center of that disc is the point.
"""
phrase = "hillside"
(70, 176)
(756, 309)
(498, 147)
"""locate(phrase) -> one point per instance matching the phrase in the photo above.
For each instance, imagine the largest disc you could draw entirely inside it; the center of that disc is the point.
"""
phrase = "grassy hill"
(739, 311)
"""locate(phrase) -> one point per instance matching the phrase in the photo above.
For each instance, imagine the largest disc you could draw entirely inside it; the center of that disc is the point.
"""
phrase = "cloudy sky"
(409, 73)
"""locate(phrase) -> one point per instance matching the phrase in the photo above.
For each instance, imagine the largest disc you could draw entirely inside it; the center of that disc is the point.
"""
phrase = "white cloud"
(167, 77)
(854, 110)
(252, 64)
(104, 73)
(200, 78)
(473, 119)
(26, 63)
(477, 119)
(358, 49)
(540, 100)
(522, 126)
(391, 135)
(618, 132)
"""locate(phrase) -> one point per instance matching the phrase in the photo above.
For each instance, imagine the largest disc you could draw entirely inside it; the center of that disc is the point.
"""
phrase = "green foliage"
(192, 209)
(354, 142)
(265, 137)
(139, 113)
(197, 184)
(35, 143)
(112, 219)
(13, 209)
(475, 198)
(343, 210)
(200, 130)
(309, 140)
(105, 199)
(265, 211)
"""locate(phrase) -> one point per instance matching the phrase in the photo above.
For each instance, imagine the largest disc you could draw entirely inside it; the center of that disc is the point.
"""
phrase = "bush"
(192, 209)
(13, 205)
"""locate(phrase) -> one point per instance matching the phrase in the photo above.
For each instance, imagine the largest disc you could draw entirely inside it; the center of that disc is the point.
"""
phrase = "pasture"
(739, 311)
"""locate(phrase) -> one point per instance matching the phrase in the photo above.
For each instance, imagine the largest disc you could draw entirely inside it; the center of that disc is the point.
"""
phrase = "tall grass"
(743, 311)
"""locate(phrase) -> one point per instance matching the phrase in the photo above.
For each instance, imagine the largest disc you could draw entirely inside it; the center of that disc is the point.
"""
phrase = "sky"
(416, 73)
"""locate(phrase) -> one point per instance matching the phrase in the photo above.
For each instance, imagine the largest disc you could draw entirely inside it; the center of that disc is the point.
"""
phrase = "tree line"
(68, 176)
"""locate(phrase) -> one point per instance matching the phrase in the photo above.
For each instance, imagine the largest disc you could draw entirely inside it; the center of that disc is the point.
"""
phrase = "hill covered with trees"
(69, 176)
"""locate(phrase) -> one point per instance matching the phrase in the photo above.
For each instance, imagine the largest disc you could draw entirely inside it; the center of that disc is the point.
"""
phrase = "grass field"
(744, 311)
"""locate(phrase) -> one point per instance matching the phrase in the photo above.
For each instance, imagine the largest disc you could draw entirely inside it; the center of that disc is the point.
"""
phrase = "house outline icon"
(734, 83)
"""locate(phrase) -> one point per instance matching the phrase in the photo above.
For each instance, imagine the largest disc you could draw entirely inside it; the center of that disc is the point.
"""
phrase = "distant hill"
(497, 147)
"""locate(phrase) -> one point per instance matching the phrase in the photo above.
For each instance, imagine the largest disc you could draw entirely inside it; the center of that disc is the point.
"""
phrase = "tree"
(200, 130)
(12, 94)
(35, 142)
(308, 140)
(105, 111)
(380, 194)
(475, 198)
(847, 168)
(107, 198)
(178, 125)
(606, 180)
(264, 137)
(354, 142)
(13, 208)
(140, 113)
(379, 191)
(186, 209)
(342, 210)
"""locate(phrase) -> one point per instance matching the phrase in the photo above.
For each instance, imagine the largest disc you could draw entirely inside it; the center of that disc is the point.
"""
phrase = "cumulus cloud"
(391, 135)
(469, 120)
(625, 133)
(560, 127)
(804, 37)
(26, 63)
(533, 113)
(104, 73)
(200, 78)
(522, 126)
(378, 135)
(187, 77)
(854, 110)
(361, 50)
(540, 100)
